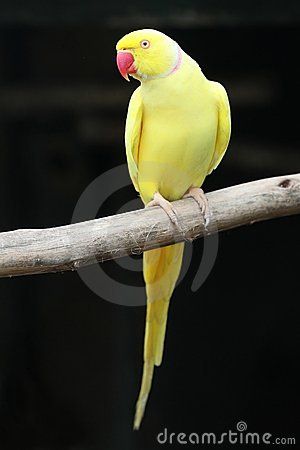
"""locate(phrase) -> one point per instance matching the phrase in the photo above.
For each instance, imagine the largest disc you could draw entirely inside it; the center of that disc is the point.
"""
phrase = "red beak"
(125, 63)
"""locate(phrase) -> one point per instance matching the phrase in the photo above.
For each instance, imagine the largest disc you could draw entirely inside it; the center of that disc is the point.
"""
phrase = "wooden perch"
(24, 252)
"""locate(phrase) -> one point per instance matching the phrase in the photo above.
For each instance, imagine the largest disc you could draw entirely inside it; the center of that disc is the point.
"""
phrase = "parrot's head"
(147, 54)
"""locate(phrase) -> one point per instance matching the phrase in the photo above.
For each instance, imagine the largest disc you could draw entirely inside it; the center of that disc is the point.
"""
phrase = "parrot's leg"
(159, 200)
(198, 195)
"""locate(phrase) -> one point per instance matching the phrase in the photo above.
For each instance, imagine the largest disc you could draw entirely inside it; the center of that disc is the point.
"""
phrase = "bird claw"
(198, 195)
(159, 200)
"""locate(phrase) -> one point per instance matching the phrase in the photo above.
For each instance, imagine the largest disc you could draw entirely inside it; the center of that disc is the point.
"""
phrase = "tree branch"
(24, 252)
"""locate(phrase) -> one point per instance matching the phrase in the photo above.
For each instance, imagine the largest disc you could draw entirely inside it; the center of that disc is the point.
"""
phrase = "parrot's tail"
(161, 270)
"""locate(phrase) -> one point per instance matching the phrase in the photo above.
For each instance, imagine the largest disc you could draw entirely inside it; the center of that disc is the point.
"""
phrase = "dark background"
(70, 362)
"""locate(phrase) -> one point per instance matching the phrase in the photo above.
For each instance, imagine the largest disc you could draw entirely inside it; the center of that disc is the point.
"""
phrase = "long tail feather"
(161, 270)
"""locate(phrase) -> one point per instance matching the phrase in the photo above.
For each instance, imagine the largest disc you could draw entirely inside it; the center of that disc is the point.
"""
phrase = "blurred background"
(70, 362)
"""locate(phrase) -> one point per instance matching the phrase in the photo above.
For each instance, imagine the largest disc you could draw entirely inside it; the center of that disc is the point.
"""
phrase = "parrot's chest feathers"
(174, 103)
(162, 93)
(180, 91)
(178, 137)
(178, 134)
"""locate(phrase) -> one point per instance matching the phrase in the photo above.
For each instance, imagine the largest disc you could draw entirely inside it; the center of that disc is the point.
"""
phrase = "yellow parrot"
(177, 131)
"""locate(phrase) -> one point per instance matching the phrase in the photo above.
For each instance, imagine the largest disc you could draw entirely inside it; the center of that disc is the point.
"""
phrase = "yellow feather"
(161, 270)
(224, 126)
(133, 135)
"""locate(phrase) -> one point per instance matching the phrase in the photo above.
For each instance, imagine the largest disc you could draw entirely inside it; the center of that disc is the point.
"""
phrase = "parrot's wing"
(133, 131)
(224, 126)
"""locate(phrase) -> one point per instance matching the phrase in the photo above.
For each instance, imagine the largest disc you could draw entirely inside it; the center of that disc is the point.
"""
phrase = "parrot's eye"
(145, 44)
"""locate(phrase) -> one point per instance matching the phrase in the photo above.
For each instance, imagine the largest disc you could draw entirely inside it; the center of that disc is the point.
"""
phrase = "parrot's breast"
(178, 137)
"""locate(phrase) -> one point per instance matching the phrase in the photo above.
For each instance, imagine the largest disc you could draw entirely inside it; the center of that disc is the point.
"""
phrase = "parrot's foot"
(198, 195)
(159, 200)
